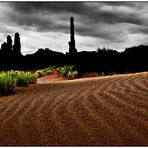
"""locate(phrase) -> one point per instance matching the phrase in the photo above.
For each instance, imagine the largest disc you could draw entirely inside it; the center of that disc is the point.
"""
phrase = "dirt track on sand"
(101, 111)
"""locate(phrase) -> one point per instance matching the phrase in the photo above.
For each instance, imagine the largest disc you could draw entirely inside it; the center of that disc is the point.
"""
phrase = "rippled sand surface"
(102, 111)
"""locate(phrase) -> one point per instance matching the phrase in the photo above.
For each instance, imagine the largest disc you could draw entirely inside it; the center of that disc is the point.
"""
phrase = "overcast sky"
(115, 25)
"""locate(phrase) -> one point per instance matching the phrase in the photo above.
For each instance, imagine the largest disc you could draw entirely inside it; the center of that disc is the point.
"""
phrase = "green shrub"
(66, 69)
(72, 74)
(22, 79)
(7, 83)
(33, 78)
(25, 78)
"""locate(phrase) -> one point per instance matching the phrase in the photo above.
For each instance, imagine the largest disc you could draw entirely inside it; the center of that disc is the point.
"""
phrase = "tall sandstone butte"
(17, 45)
(72, 49)
(9, 45)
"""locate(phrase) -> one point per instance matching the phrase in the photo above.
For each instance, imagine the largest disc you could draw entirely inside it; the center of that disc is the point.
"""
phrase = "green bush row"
(10, 79)
(68, 70)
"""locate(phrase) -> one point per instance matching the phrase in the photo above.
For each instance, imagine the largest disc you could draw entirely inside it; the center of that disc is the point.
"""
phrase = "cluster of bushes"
(24, 78)
(70, 71)
(46, 71)
(10, 79)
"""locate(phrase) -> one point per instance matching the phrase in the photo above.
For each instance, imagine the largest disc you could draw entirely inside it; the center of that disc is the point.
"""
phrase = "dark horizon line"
(106, 48)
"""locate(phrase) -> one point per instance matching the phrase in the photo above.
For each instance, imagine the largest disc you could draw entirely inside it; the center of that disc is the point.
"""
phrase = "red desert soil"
(103, 111)
(51, 78)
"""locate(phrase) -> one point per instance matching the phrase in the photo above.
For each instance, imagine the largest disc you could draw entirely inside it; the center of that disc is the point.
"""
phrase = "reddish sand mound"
(51, 78)
(94, 111)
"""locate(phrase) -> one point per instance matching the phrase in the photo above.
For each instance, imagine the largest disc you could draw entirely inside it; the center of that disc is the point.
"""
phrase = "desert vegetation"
(10, 79)
(70, 71)
(46, 71)
(7, 83)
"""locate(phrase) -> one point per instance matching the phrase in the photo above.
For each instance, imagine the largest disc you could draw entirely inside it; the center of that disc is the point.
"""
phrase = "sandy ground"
(105, 111)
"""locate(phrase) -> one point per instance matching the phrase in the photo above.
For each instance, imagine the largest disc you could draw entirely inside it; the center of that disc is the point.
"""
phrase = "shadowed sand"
(100, 111)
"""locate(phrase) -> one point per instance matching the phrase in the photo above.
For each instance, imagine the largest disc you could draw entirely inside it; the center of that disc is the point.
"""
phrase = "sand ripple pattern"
(105, 111)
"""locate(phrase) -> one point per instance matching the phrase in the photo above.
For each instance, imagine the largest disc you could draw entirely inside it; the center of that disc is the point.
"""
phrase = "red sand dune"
(51, 78)
(101, 111)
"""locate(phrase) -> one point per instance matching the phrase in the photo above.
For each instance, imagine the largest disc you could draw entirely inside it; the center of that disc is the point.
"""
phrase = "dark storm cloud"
(25, 7)
(114, 17)
(49, 16)
(44, 16)
(139, 29)
(80, 8)
(121, 3)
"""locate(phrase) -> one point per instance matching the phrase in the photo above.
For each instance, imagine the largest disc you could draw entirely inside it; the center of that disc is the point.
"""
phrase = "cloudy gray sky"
(115, 25)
